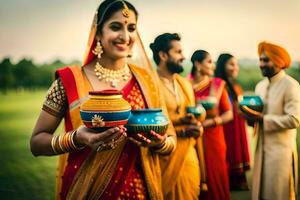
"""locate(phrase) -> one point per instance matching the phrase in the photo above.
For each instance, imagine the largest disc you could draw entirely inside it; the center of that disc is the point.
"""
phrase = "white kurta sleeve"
(290, 119)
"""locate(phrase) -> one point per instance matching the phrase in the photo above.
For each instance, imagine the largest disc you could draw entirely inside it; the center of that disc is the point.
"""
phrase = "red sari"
(237, 146)
(214, 141)
(127, 181)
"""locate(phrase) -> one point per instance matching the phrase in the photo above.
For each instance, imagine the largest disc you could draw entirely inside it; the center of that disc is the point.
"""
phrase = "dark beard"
(268, 72)
(174, 67)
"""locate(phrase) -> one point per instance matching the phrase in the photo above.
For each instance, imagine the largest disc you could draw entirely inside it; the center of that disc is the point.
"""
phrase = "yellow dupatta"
(199, 141)
(173, 164)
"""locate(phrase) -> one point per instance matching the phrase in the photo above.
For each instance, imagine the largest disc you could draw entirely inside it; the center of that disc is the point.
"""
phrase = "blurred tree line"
(27, 75)
(249, 76)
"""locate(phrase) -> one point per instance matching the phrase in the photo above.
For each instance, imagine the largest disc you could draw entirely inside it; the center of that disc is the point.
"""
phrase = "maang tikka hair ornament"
(125, 10)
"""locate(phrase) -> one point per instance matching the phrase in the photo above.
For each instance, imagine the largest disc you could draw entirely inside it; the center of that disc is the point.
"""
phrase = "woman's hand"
(194, 130)
(98, 141)
(152, 140)
(188, 119)
(208, 123)
(192, 127)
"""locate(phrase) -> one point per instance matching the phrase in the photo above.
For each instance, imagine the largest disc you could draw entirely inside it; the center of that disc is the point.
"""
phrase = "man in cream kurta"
(275, 167)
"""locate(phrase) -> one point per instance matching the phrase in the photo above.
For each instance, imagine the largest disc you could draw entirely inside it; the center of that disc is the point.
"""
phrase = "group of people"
(196, 158)
(201, 144)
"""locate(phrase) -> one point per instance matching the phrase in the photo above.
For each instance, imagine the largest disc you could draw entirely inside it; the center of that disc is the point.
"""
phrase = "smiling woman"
(108, 164)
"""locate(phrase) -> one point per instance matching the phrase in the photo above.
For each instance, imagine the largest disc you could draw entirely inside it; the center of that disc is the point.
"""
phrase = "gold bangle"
(69, 142)
(73, 141)
(56, 145)
(53, 140)
(64, 142)
(60, 138)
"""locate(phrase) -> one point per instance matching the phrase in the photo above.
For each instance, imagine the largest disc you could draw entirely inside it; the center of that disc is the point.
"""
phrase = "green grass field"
(23, 176)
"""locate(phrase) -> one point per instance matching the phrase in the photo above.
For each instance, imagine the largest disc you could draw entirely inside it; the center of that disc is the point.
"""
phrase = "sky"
(45, 30)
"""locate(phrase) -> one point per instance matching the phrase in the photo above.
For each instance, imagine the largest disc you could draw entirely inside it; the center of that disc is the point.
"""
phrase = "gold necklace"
(112, 76)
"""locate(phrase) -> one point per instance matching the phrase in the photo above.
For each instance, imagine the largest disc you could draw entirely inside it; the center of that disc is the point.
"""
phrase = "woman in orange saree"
(212, 94)
(235, 131)
(108, 164)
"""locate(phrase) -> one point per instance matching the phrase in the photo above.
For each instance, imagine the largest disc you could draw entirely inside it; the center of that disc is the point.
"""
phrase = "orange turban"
(278, 55)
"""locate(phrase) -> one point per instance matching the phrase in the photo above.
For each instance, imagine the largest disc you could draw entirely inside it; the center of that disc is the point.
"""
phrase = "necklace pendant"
(114, 83)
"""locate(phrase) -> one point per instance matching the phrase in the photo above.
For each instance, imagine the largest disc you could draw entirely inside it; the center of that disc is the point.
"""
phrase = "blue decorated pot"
(208, 102)
(198, 111)
(145, 120)
(251, 105)
(105, 109)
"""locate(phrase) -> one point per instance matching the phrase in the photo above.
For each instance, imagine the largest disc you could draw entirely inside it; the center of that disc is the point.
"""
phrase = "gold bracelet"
(53, 140)
(69, 141)
(65, 143)
(72, 138)
(60, 139)
(56, 148)
(73, 141)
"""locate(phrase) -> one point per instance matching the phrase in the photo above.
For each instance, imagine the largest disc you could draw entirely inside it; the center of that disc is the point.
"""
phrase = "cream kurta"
(274, 176)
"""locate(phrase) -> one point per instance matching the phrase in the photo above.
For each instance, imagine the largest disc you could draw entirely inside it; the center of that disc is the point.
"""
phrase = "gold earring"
(98, 50)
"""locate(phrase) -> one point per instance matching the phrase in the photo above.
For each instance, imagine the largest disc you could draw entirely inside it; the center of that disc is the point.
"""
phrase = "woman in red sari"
(104, 165)
(212, 90)
(235, 131)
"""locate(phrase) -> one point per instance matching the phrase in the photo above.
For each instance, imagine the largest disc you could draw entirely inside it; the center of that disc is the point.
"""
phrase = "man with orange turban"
(275, 165)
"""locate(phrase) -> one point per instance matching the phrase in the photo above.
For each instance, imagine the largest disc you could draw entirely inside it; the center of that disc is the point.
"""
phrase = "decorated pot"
(251, 105)
(208, 102)
(145, 120)
(198, 111)
(105, 109)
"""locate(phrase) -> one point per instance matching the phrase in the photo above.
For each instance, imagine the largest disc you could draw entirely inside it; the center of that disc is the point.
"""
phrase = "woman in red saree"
(212, 90)
(235, 131)
(104, 165)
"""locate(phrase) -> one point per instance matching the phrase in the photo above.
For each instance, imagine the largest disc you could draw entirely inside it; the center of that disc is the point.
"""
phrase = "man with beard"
(275, 166)
(181, 171)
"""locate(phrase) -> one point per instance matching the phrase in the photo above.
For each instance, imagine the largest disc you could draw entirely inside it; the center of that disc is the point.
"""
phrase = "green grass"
(22, 176)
